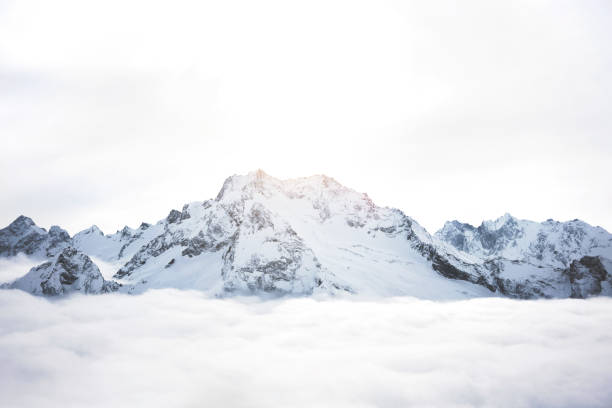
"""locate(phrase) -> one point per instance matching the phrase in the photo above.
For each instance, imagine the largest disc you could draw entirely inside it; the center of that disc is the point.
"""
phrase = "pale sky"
(115, 112)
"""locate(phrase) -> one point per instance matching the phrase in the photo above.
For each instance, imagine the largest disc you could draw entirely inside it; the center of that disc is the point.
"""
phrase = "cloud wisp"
(176, 348)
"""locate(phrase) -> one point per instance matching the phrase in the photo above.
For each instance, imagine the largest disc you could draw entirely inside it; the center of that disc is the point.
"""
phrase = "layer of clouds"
(15, 267)
(172, 348)
(112, 113)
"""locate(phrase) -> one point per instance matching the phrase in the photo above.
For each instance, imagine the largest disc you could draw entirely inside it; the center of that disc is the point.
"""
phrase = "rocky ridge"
(69, 272)
(311, 235)
(528, 259)
(24, 236)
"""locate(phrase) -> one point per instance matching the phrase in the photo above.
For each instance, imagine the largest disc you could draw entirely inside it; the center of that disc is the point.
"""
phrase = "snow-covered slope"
(550, 243)
(312, 235)
(117, 246)
(301, 236)
(70, 271)
(530, 259)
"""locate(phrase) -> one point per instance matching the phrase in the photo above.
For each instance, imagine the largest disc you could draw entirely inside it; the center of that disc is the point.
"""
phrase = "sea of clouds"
(169, 348)
(15, 267)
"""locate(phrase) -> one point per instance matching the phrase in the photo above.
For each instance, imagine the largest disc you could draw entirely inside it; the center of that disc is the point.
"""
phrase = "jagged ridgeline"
(310, 236)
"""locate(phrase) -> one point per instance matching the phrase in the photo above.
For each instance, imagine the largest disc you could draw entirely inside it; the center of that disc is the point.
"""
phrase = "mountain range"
(313, 236)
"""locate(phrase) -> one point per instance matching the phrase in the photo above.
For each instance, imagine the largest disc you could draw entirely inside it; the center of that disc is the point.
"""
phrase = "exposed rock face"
(527, 259)
(262, 234)
(256, 250)
(173, 217)
(71, 271)
(23, 236)
(586, 276)
(489, 238)
(549, 243)
(312, 235)
(280, 261)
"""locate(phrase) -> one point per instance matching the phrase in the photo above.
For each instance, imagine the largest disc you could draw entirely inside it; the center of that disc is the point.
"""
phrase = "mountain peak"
(57, 231)
(93, 230)
(237, 182)
(456, 224)
(22, 222)
(24, 236)
(499, 222)
(71, 271)
(258, 174)
(259, 182)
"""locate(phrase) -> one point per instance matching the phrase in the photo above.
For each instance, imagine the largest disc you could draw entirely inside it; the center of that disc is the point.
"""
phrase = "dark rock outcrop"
(24, 236)
(586, 276)
(71, 271)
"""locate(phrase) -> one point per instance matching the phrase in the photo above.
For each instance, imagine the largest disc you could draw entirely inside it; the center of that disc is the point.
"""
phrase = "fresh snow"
(313, 236)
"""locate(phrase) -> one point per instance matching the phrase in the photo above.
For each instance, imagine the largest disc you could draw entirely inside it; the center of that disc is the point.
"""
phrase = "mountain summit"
(312, 235)
(24, 236)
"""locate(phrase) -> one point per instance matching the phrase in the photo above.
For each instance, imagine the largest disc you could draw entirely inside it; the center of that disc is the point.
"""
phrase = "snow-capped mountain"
(550, 243)
(528, 258)
(113, 247)
(312, 235)
(23, 236)
(301, 236)
(71, 271)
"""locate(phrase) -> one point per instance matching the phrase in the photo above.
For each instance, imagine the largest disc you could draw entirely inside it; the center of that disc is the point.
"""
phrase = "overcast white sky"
(115, 112)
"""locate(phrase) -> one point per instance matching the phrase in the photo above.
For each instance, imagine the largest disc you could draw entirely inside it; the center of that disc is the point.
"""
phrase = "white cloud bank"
(178, 349)
(15, 267)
